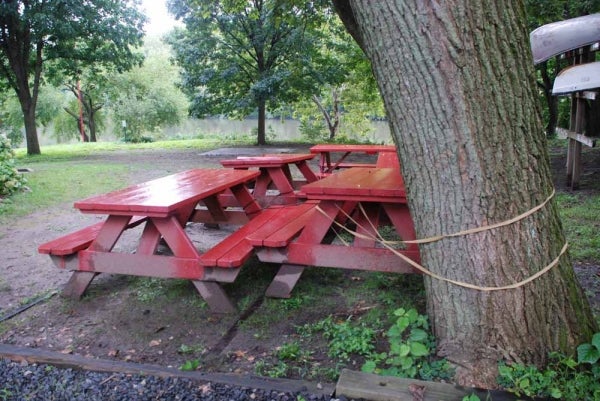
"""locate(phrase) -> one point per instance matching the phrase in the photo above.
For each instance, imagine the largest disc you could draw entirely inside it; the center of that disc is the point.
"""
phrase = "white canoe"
(559, 37)
(577, 78)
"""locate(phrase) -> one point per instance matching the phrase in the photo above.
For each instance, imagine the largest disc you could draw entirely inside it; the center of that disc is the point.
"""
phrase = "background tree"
(346, 97)
(49, 105)
(541, 13)
(89, 93)
(239, 56)
(458, 85)
(146, 97)
(100, 32)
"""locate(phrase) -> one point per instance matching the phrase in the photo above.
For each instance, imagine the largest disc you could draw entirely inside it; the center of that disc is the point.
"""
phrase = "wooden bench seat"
(237, 248)
(76, 241)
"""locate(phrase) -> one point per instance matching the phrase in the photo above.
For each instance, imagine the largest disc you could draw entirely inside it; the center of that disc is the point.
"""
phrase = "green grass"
(581, 223)
(53, 183)
(80, 150)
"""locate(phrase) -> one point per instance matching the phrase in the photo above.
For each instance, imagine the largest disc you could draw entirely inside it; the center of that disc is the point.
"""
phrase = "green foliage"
(146, 99)
(411, 345)
(5, 394)
(277, 370)
(237, 56)
(10, 179)
(471, 397)
(564, 378)
(589, 353)
(59, 37)
(187, 349)
(190, 366)
(293, 352)
(347, 91)
(346, 338)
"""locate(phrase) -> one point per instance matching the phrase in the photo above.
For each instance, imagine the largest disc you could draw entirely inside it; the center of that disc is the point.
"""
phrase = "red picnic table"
(367, 198)
(328, 166)
(164, 206)
(275, 173)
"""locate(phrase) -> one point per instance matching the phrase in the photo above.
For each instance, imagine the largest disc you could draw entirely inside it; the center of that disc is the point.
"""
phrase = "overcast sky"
(160, 21)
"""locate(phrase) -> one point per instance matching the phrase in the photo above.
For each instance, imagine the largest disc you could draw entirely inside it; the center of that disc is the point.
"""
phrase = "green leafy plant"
(411, 346)
(190, 366)
(346, 338)
(279, 369)
(10, 179)
(187, 349)
(589, 353)
(564, 378)
(293, 352)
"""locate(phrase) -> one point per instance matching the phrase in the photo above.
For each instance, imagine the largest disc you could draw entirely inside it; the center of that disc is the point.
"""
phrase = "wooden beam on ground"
(57, 359)
(355, 385)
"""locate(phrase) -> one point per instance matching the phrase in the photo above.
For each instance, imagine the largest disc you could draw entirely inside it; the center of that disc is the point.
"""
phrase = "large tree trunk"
(551, 100)
(261, 137)
(31, 137)
(458, 84)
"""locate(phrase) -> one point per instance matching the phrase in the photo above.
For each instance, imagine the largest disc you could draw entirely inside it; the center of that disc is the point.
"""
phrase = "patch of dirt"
(165, 321)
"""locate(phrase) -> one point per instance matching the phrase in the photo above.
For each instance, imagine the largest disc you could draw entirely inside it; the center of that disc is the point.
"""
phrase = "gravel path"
(34, 382)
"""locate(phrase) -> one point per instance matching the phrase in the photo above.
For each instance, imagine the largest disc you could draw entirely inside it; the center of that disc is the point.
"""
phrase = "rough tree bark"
(458, 84)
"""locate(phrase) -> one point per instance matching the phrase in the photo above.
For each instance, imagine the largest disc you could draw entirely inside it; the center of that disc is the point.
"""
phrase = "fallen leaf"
(418, 392)
(155, 343)
(113, 352)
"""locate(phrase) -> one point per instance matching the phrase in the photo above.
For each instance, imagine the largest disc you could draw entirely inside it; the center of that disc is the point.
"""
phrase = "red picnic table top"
(164, 196)
(359, 184)
(327, 166)
(267, 160)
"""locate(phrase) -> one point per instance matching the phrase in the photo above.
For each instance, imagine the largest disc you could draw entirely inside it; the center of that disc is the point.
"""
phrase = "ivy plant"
(411, 346)
(564, 378)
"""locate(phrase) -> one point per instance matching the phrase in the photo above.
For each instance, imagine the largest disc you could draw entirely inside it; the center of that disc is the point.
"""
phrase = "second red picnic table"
(328, 164)
(275, 173)
(366, 198)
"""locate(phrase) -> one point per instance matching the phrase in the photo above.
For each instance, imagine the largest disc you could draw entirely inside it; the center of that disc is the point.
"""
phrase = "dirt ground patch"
(165, 321)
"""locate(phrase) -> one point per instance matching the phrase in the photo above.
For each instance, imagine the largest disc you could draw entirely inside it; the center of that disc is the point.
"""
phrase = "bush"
(10, 179)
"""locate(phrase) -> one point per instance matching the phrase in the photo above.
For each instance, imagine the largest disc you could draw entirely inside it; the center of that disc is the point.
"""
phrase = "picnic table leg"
(285, 281)
(402, 221)
(282, 179)
(288, 274)
(215, 296)
(105, 241)
(306, 171)
(77, 284)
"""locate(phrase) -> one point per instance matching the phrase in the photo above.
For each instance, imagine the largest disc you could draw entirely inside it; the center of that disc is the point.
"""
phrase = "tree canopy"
(65, 35)
(240, 56)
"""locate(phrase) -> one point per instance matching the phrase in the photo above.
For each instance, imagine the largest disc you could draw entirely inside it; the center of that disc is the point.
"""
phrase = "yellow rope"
(423, 270)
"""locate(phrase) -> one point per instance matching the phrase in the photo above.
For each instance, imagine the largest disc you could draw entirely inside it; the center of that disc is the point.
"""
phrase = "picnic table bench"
(327, 164)
(163, 206)
(275, 173)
